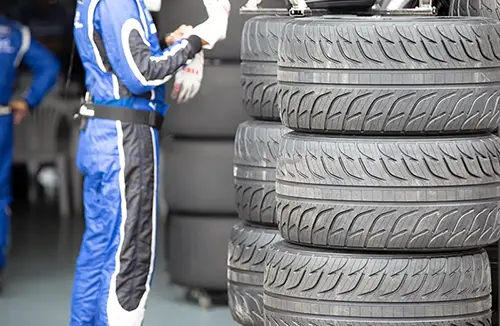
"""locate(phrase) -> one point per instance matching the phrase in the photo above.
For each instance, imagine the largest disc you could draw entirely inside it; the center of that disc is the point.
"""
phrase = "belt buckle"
(155, 120)
(86, 112)
(83, 115)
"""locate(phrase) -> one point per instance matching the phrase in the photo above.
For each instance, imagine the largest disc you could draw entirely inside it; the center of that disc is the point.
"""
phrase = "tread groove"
(360, 67)
(373, 193)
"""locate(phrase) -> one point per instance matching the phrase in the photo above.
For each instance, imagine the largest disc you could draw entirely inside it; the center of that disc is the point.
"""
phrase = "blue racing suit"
(125, 67)
(16, 46)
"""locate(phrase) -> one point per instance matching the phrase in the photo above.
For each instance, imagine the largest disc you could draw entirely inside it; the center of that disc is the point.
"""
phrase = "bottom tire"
(304, 287)
(493, 256)
(196, 250)
(248, 249)
(197, 175)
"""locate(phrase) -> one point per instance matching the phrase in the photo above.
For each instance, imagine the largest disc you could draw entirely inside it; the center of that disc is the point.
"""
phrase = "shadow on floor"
(40, 272)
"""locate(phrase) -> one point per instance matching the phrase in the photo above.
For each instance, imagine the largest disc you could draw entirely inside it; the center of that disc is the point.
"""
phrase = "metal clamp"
(299, 9)
(425, 4)
(382, 8)
(294, 12)
(401, 8)
(418, 11)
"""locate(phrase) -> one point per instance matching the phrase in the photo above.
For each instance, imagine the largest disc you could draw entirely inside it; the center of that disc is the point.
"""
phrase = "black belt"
(141, 117)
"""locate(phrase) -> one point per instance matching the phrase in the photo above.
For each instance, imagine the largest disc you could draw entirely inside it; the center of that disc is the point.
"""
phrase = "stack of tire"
(475, 8)
(389, 186)
(490, 9)
(197, 163)
(255, 156)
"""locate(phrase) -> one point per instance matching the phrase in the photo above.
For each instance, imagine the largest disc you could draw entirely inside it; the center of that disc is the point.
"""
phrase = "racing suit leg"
(6, 145)
(115, 266)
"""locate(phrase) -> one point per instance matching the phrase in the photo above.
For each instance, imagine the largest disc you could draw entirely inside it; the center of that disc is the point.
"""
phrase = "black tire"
(254, 170)
(493, 256)
(478, 8)
(389, 193)
(305, 287)
(248, 250)
(369, 75)
(197, 176)
(196, 248)
(209, 114)
(259, 55)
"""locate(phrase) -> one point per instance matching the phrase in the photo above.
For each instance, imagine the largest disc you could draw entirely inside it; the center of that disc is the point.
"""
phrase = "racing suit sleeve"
(43, 64)
(128, 49)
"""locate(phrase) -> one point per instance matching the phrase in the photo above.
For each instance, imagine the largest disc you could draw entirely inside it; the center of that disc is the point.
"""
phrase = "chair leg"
(162, 202)
(32, 167)
(75, 176)
(76, 189)
(64, 197)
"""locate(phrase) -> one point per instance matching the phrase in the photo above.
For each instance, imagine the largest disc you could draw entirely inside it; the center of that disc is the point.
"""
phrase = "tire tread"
(370, 282)
(259, 55)
(385, 178)
(247, 253)
(394, 76)
(257, 149)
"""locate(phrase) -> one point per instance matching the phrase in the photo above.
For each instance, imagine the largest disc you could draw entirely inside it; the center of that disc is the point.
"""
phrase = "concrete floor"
(41, 266)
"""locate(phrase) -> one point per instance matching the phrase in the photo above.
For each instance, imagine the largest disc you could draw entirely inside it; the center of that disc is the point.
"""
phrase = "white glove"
(214, 29)
(188, 80)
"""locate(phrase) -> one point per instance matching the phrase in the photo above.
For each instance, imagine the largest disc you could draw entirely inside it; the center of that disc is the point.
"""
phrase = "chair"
(163, 207)
(37, 141)
(76, 177)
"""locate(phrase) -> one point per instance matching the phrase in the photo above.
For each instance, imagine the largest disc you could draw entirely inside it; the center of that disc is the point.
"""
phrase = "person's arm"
(44, 66)
(128, 49)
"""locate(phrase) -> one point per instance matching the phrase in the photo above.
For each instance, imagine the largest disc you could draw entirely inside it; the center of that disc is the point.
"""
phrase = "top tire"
(390, 75)
(481, 8)
(259, 56)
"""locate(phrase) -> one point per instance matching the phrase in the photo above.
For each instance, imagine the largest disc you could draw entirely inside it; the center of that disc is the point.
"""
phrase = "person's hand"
(20, 110)
(214, 29)
(188, 80)
(178, 34)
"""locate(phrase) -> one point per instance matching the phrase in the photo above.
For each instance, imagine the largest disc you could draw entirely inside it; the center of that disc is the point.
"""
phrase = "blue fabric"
(4, 233)
(16, 46)
(45, 69)
(106, 149)
(99, 159)
(6, 126)
(108, 20)
(44, 65)
(6, 145)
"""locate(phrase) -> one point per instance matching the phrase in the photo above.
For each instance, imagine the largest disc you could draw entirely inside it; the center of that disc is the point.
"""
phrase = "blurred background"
(197, 209)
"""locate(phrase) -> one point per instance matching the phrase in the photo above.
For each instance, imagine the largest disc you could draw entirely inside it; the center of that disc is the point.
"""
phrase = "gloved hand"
(178, 34)
(214, 29)
(188, 80)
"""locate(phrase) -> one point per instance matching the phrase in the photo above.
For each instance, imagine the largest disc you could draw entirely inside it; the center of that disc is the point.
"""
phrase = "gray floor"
(39, 278)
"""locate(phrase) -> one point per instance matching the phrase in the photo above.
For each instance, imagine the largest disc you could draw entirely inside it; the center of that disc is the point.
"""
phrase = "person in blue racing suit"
(118, 150)
(16, 46)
